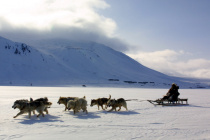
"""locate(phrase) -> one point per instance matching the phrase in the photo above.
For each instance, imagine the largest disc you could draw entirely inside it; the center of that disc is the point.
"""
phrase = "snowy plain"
(142, 120)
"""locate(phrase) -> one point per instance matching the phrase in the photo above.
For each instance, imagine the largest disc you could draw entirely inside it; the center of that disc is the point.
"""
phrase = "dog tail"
(84, 97)
(109, 96)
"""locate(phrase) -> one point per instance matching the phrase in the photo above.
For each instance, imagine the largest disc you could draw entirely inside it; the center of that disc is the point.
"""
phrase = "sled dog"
(117, 103)
(27, 107)
(45, 101)
(100, 102)
(64, 100)
(77, 104)
(20, 104)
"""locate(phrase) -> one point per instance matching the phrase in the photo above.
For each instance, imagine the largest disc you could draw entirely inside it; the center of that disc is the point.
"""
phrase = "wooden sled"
(166, 102)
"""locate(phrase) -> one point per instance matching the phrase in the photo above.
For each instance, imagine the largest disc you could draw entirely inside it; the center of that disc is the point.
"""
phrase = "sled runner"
(166, 102)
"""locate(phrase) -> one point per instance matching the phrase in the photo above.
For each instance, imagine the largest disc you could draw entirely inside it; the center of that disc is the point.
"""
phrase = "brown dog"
(117, 103)
(77, 104)
(20, 104)
(28, 107)
(100, 102)
(64, 100)
(45, 101)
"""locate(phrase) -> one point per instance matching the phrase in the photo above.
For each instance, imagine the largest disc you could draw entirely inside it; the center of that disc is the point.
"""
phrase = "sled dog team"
(75, 103)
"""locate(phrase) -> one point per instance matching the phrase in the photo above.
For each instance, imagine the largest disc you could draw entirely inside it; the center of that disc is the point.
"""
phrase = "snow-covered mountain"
(62, 62)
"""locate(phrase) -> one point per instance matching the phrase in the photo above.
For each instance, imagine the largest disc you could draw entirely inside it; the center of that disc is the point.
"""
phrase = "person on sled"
(172, 94)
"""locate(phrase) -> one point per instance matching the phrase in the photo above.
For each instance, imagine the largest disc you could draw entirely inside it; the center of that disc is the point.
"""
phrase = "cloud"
(173, 63)
(45, 14)
(31, 20)
(24, 20)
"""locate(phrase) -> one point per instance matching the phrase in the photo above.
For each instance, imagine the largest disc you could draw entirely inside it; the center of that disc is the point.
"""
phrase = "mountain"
(64, 63)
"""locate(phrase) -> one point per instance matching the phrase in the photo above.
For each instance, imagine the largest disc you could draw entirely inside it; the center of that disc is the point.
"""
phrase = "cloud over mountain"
(67, 19)
(167, 61)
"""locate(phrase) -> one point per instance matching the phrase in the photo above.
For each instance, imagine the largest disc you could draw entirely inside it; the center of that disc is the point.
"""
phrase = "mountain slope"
(68, 62)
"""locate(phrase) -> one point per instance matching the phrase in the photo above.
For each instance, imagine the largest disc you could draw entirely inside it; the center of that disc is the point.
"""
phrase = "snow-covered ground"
(141, 121)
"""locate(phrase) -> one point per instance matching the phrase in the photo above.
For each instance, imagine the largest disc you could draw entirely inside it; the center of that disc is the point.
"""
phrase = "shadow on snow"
(199, 106)
(129, 112)
(40, 119)
(83, 115)
(96, 115)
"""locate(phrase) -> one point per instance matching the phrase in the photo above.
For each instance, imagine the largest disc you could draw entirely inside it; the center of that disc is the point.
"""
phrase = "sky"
(169, 36)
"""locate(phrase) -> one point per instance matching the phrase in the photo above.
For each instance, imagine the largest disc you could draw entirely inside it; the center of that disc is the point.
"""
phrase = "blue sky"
(171, 36)
(162, 24)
